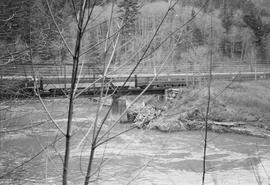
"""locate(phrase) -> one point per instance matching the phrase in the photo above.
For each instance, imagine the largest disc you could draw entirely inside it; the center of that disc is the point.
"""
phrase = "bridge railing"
(66, 70)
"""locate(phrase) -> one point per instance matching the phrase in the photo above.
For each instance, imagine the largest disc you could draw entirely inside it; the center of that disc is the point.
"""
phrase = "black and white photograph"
(134, 92)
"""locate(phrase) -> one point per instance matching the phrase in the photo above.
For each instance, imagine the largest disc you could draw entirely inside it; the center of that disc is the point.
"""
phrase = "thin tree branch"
(74, 11)
(88, 173)
(149, 84)
(58, 29)
(89, 16)
(23, 128)
(149, 44)
(76, 59)
(208, 102)
(48, 113)
(140, 171)
(29, 160)
(110, 138)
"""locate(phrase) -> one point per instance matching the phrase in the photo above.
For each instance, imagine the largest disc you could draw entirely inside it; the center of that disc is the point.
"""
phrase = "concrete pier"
(118, 107)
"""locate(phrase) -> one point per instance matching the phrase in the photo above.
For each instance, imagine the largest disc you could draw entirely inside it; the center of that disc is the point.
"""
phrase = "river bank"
(241, 108)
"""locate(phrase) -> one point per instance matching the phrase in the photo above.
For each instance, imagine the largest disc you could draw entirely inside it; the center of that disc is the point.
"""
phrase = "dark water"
(137, 157)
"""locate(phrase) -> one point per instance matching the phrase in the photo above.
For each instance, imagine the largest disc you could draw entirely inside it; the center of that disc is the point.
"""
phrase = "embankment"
(242, 108)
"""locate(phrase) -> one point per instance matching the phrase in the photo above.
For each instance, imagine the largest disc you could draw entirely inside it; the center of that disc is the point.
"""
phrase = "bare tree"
(208, 101)
(83, 20)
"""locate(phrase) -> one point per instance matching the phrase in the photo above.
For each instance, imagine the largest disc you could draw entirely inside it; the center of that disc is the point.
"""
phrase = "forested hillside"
(240, 32)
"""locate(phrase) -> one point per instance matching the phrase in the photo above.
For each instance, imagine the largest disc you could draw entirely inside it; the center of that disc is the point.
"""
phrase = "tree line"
(26, 26)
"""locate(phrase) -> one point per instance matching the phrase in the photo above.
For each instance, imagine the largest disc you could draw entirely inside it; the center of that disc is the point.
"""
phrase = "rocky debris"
(173, 124)
(141, 116)
(193, 114)
(151, 118)
(166, 125)
(222, 119)
(172, 93)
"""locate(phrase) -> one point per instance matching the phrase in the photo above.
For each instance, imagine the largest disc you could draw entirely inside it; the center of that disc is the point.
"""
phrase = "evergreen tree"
(45, 39)
(253, 19)
(197, 36)
(128, 10)
(227, 22)
(227, 17)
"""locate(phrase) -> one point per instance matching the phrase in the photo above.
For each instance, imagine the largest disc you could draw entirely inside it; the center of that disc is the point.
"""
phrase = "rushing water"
(152, 157)
(144, 157)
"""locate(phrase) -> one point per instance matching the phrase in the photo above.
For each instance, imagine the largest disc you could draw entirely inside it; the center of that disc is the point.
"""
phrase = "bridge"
(55, 80)
(53, 83)
(90, 84)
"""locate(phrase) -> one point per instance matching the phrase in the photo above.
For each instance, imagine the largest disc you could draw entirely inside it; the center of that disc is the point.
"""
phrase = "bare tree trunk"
(76, 59)
(208, 103)
(88, 173)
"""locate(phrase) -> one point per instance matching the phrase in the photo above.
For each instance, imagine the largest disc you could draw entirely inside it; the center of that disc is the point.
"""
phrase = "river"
(139, 157)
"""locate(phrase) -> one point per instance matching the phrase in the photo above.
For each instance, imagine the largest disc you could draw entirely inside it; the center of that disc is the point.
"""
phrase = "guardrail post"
(136, 81)
(193, 80)
(200, 81)
(65, 76)
(2, 73)
(255, 70)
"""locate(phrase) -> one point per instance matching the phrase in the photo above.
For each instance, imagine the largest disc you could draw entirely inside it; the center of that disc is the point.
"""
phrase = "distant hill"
(240, 33)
